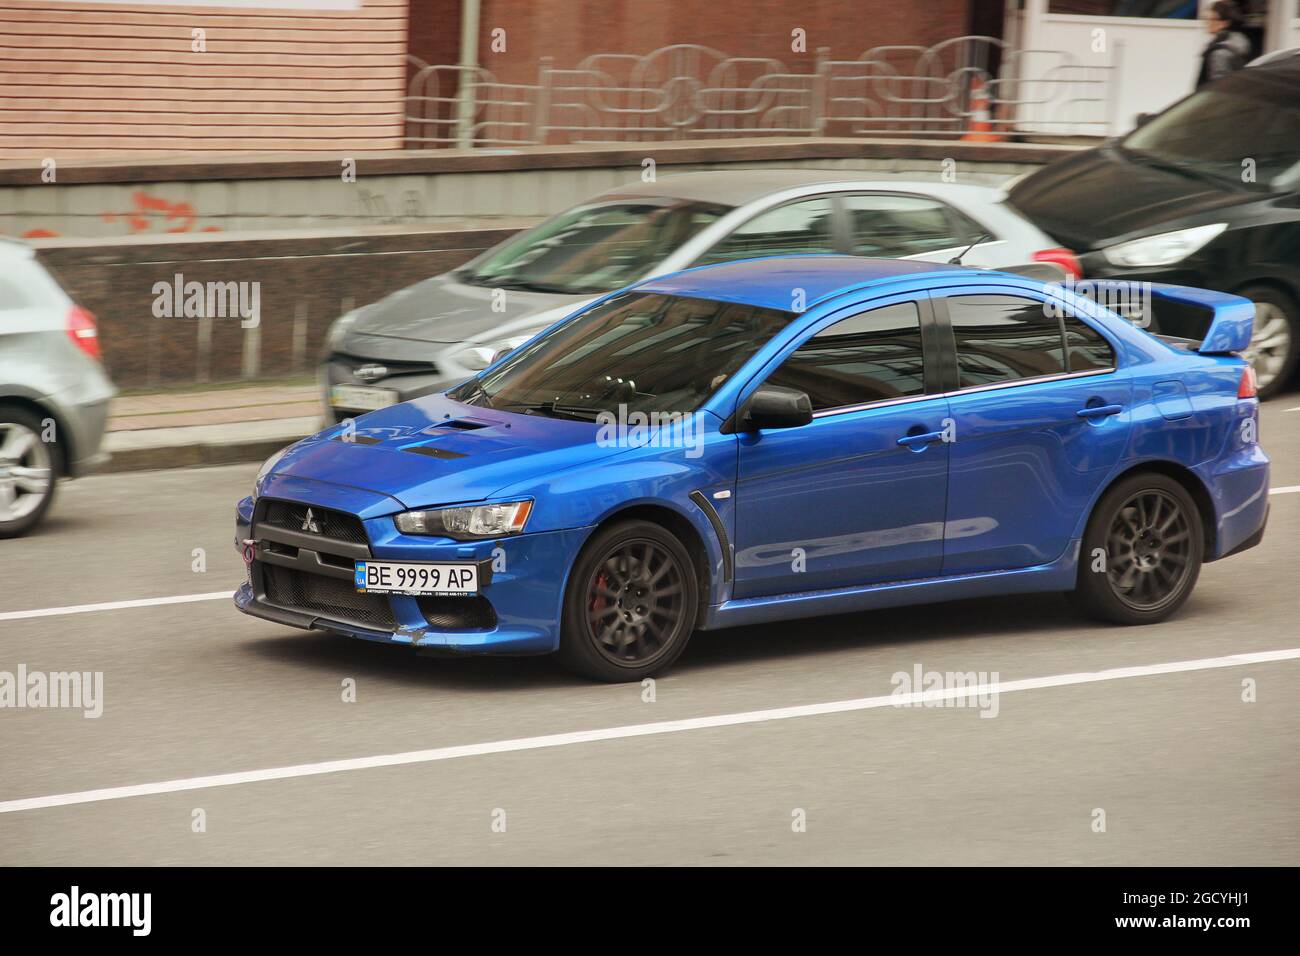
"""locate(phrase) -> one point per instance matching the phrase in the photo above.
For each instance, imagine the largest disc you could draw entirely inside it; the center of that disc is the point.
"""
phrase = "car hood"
(1100, 196)
(436, 451)
(420, 320)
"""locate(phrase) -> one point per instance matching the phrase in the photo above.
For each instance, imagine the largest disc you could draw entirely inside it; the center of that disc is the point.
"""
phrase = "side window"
(1085, 348)
(895, 226)
(1002, 338)
(796, 227)
(869, 357)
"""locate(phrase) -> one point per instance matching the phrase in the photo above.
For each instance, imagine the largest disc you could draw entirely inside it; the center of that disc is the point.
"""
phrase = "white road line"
(114, 605)
(635, 730)
(218, 595)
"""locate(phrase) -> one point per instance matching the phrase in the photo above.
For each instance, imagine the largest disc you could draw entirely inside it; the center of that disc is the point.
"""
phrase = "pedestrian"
(1228, 48)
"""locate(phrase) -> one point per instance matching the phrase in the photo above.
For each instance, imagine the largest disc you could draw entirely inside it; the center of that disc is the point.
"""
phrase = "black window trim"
(838, 230)
(956, 219)
(930, 346)
(949, 343)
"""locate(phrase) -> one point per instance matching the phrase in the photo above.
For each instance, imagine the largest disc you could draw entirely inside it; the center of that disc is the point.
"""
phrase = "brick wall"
(569, 30)
(120, 80)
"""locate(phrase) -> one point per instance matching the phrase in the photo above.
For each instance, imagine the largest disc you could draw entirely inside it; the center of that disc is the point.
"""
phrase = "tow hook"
(249, 546)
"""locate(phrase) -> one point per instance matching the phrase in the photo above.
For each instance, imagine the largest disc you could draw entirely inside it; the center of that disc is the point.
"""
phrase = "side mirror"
(773, 406)
(1142, 119)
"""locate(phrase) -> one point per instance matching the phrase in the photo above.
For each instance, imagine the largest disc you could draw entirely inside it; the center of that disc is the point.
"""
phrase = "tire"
(29, 469)
(1275, 345)
(1153, 539)
(630, 605)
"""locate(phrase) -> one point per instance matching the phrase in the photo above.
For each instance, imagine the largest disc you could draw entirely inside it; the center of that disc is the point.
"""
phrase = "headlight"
(334, 338)
(271, 463)
(470, 522)
(1164, 249)
(478, 357)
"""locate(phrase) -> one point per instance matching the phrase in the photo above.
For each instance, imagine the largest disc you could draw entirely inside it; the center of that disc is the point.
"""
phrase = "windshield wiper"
(582, 413)
(523, 285)
(477, 391)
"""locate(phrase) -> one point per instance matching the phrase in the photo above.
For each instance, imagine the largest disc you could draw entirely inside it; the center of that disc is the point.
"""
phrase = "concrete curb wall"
(433, 188)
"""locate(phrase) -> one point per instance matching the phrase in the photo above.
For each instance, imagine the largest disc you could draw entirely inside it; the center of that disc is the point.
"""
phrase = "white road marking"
(114, 605)
(635, 730)
(219, 595)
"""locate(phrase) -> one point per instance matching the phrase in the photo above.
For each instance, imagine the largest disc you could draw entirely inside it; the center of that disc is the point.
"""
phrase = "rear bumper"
(1238, 486)
(518, 611)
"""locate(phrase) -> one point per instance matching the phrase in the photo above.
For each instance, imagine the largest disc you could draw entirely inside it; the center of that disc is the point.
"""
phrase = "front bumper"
(517, 612)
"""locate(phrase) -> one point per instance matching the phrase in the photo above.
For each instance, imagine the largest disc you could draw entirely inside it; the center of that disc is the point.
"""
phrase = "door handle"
(922, 439)
(1099, 411)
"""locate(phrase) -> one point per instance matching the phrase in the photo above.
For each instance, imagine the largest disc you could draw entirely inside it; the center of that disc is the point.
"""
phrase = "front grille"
(333, 524)
(332, 597)
(394, 367)
(458, 613)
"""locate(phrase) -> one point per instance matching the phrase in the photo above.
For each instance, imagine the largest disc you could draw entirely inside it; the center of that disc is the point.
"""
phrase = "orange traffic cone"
(981, 120)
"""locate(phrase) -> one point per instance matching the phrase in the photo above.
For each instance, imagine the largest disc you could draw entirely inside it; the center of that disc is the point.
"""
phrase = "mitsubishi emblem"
(309, 523)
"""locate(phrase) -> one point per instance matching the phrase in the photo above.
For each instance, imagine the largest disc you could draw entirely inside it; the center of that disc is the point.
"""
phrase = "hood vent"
(357, 440)
(459, 424)
(430, 452)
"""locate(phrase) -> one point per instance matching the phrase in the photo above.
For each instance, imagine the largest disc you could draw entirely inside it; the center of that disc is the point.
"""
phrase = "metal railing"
(689, 91)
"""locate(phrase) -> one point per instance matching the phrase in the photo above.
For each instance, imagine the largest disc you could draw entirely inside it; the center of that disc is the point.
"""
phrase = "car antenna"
(956, 260)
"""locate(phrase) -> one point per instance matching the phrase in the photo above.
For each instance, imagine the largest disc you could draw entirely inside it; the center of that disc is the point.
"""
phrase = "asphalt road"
(1185, 771)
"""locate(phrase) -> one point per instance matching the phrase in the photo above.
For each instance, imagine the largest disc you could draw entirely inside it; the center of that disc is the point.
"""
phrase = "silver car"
(438, 332)
(54, 392)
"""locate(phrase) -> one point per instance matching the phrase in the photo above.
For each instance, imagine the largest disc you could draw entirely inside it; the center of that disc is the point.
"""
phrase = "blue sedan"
(768, 440)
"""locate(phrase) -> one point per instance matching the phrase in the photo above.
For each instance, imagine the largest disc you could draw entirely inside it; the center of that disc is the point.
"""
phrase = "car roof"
(735, 187)
(1279, 61)
(770, 283)
(15, 249)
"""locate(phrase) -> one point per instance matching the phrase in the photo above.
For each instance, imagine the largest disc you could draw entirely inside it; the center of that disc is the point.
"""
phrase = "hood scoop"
(429, 451)
(458, 424)
(357, 440)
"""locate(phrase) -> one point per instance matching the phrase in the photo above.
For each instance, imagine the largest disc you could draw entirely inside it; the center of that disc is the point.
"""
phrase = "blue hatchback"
(767, 440)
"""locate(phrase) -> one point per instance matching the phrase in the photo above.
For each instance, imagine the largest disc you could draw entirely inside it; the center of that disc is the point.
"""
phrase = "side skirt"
(1059, 575)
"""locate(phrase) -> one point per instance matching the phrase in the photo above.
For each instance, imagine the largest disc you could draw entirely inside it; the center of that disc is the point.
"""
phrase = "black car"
(1205, 194)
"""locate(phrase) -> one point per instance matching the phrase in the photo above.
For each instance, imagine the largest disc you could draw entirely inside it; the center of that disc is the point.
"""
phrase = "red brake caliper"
(598, 601)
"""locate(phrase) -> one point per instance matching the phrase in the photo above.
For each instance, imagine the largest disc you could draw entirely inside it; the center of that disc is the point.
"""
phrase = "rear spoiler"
(1221, 322)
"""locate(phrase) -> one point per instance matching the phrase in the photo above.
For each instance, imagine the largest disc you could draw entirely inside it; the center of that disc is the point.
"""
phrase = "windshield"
(647, 351)
(1225, 132)
(591, 249)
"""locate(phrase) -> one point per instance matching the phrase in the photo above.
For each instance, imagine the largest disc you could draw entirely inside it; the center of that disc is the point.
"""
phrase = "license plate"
(362, 397)
(406, 577)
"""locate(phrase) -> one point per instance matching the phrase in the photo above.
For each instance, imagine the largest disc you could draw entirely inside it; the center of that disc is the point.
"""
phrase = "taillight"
(83, 331)
(1247, 387)
(1063, 258)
